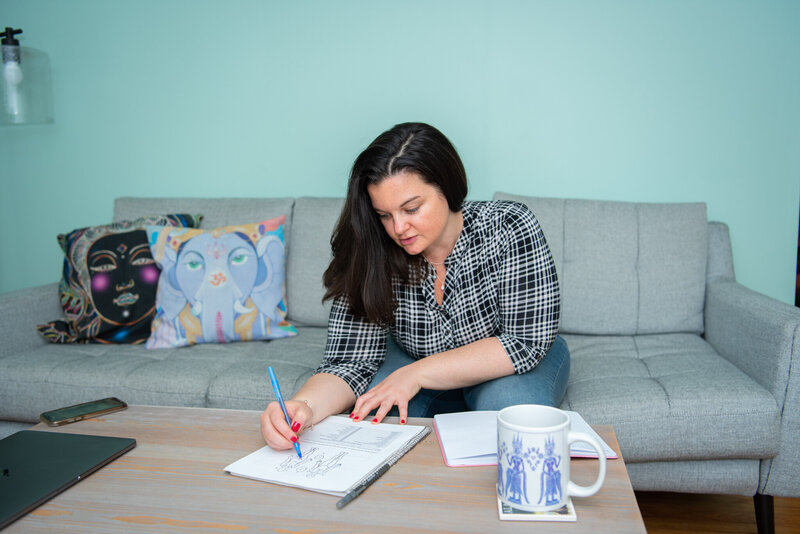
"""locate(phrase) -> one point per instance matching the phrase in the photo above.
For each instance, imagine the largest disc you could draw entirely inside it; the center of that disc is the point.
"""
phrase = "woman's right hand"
(276, 432)
(324, 394)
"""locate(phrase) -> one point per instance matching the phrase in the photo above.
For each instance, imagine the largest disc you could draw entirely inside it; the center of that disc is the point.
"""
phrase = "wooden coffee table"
(173, 481)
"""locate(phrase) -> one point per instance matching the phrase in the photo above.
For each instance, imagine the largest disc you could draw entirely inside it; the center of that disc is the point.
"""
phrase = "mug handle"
(586, 491)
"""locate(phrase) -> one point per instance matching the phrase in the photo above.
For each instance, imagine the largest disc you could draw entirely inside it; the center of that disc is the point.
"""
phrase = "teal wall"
(672, 100)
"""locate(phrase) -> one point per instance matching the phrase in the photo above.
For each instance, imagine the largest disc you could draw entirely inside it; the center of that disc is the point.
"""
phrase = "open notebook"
(338, 454)
(470, 438)
(36, 466)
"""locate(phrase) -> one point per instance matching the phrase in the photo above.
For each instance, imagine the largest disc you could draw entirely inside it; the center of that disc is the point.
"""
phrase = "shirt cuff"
(355, 378)
(523, 357)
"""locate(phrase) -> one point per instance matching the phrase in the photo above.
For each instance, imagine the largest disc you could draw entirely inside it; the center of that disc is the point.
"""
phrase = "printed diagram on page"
(357, 438)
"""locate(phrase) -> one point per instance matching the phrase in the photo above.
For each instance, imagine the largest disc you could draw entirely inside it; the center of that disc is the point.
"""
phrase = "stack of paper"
(470, 438)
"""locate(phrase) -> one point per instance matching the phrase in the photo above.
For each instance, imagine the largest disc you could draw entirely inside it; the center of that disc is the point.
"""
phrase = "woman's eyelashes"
(387, 216)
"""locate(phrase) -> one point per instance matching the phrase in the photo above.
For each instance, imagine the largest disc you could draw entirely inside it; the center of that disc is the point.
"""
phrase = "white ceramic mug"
(533, 458)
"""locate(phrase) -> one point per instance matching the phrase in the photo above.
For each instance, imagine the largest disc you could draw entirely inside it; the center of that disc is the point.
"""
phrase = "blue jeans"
(545, 384)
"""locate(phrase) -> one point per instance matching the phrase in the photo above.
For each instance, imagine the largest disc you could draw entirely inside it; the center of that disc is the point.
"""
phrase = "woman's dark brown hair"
(365, 259)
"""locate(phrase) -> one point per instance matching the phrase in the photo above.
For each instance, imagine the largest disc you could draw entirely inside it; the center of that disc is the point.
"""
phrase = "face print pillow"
(109, 283)
(219, 285)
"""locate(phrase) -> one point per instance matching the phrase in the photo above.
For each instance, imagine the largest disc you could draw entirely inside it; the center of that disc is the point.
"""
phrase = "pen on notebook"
(278, 395)
(358, 490)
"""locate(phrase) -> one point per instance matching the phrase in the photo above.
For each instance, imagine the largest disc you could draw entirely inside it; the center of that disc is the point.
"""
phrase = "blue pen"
(278, 395)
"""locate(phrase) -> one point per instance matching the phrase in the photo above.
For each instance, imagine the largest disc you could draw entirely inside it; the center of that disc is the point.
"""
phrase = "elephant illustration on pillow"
(219, 286)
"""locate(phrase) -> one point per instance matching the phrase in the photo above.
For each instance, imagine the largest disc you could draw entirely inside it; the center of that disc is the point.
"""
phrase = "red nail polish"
(402, 421)
(295, 426)
(294, 439)
(352, 415)
(355, 418)
(375, 420)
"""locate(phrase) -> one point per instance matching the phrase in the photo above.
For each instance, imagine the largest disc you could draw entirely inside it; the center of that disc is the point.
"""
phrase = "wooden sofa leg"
(765, 513)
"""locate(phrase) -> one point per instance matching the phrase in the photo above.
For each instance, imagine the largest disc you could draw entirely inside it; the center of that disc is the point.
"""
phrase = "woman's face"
(124, 277)
(414, 213)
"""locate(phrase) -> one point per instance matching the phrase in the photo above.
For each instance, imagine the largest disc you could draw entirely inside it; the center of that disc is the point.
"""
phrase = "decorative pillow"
(217, 286)
(108, 288)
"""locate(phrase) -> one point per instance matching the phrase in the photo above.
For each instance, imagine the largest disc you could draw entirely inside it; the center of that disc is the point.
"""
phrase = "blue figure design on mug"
(515, 488)
(551, 474)
(516, 478)
(500, 484)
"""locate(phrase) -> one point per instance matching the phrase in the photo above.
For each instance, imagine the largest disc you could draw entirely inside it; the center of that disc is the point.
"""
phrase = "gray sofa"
(697, 374)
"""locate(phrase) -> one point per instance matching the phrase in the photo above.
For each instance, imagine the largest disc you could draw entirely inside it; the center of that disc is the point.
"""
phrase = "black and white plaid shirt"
(500, 281)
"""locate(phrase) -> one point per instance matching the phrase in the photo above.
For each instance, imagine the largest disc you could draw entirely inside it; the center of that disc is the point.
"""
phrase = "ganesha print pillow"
(221, 285)
(108, 287)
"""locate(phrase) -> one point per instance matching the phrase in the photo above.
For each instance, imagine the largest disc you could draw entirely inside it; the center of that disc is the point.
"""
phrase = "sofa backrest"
(216, 212)
(310, 253)
(626, 268)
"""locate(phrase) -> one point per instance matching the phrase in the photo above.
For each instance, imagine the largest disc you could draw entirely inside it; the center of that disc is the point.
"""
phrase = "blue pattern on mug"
(551, 474)
(515, 488)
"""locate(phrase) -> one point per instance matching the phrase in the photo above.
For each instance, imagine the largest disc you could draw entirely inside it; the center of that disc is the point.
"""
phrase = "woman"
(467, 290)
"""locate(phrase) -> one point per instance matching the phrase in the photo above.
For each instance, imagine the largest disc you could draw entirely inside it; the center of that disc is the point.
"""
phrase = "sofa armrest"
(21, 311)
(761, 336)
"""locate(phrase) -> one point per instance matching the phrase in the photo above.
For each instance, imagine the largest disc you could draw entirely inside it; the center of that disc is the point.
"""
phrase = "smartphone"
(79, 412)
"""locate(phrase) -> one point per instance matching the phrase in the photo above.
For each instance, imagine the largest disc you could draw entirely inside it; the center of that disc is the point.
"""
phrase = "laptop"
(35, 466)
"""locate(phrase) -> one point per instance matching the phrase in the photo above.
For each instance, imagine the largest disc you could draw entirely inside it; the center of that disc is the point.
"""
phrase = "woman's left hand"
(395, 390)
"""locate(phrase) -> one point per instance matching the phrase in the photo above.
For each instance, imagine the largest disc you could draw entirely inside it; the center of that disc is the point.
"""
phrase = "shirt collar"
(468, 214)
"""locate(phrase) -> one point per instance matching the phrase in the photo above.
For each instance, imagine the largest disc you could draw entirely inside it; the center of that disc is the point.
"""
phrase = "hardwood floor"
(670, 513)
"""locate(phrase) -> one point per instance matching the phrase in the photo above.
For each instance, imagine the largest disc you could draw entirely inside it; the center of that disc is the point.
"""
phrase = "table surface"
(173, 481)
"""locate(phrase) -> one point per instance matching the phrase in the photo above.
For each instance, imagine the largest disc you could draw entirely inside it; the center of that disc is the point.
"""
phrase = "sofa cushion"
(108, 288)
(626, 268)
(220, 285)
(670, 397)
(308, 257)
(727, 477)
(245, 385)
(222, 376)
